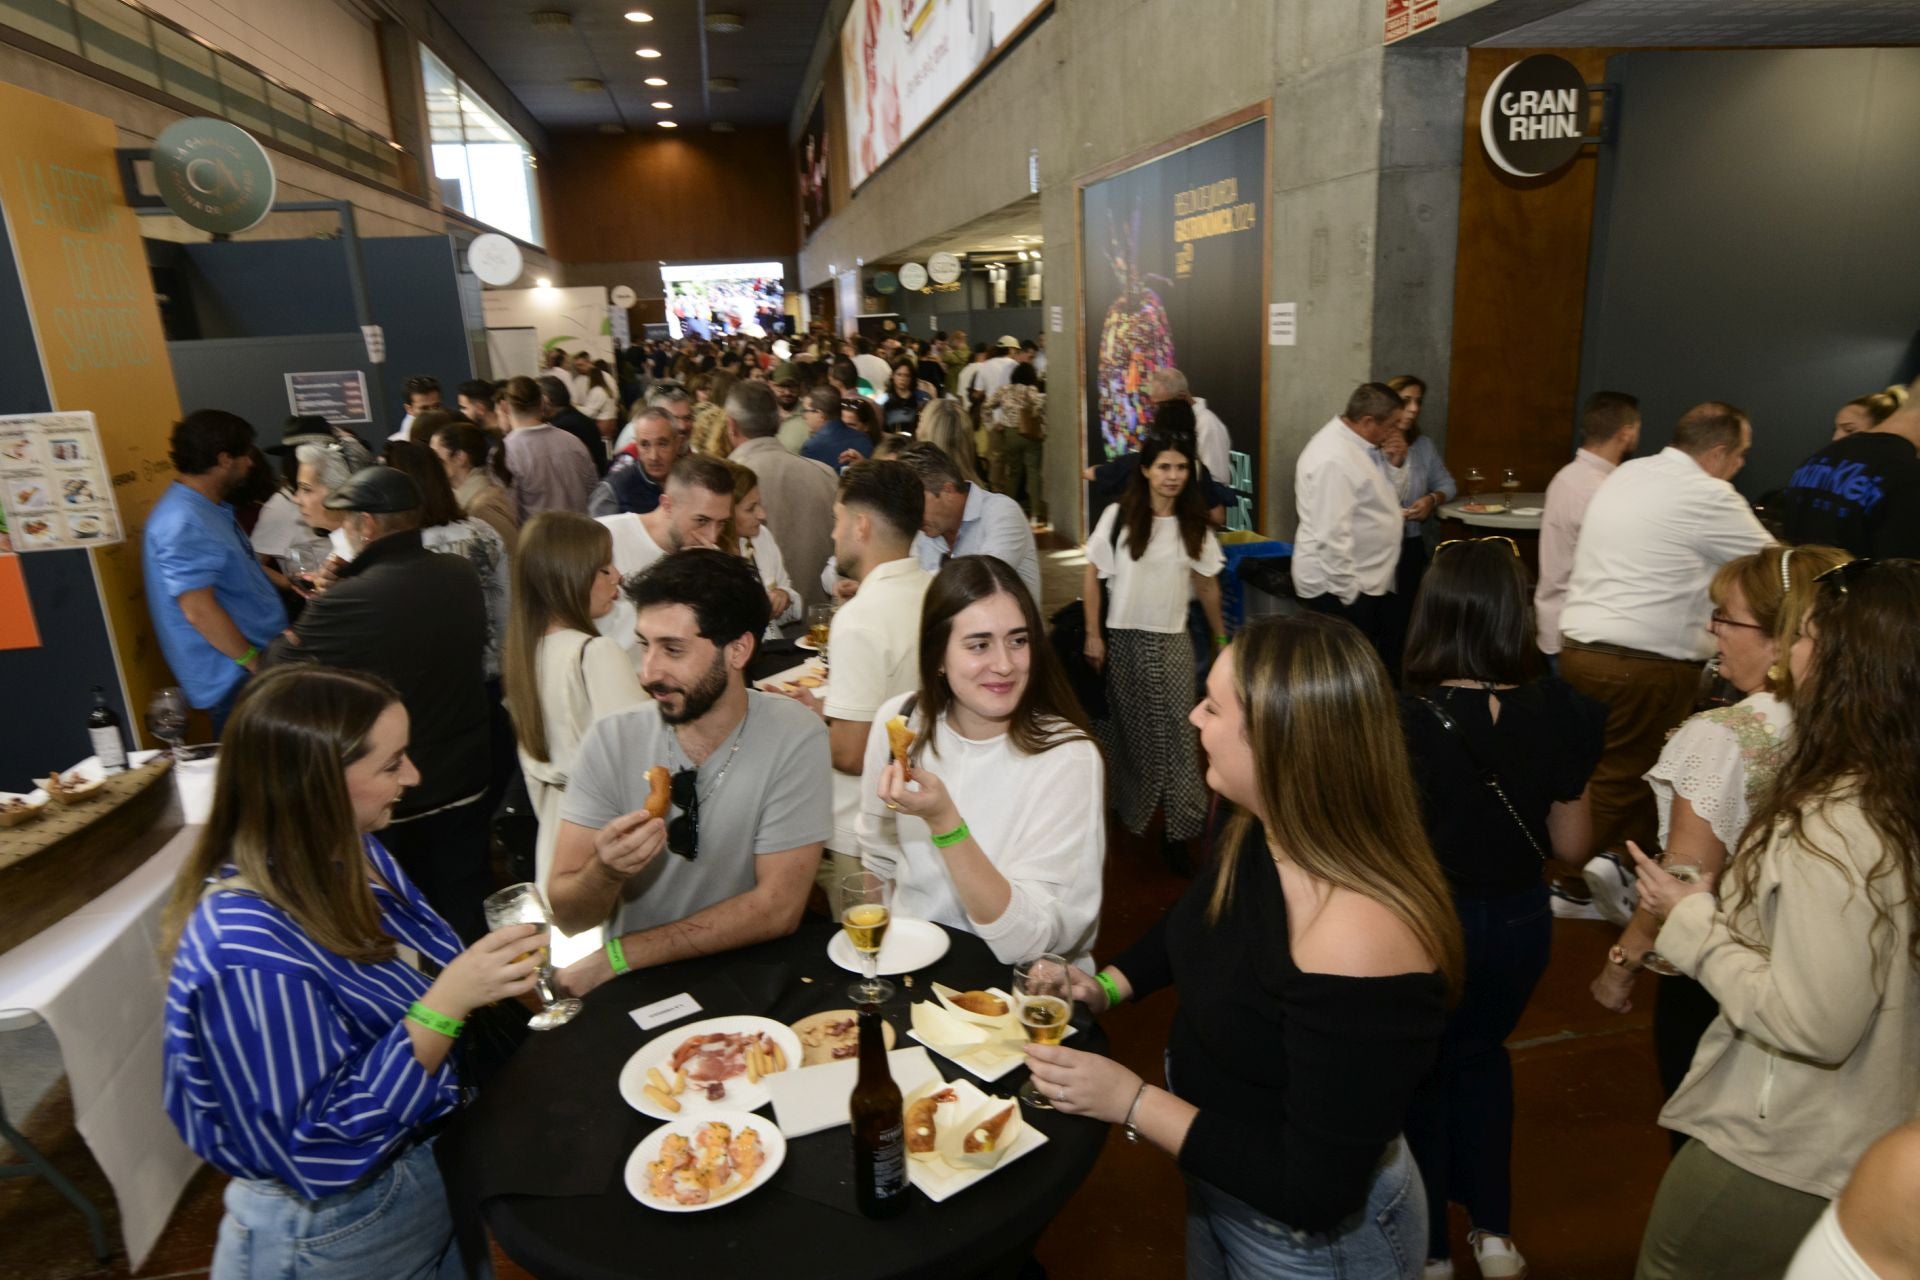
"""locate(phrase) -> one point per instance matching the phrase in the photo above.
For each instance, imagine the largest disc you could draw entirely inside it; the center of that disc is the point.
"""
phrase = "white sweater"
(1041, 821)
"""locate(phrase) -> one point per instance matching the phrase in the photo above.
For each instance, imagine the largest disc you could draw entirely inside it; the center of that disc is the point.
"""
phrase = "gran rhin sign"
(1534, 117)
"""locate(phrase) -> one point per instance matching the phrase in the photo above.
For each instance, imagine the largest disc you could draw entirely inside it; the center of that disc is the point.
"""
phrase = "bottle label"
(109, 747)
(890, 1164)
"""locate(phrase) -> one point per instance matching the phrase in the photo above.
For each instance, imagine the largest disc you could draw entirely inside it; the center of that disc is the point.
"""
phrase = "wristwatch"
(1617, 956)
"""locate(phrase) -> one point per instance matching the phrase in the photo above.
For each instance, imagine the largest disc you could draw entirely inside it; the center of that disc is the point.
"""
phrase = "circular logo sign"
(943, 268)
(913, 276)
(624, 297)
(885, 282)
(1534, 115)
(495, 259)
(213, 175)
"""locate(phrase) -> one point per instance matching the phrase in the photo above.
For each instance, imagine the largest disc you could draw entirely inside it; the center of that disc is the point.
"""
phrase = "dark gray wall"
(1754, 240)
(247, 376)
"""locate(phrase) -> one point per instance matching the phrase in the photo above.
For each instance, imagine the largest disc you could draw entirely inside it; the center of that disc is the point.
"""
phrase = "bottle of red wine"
(104, 729)
(879, 1132)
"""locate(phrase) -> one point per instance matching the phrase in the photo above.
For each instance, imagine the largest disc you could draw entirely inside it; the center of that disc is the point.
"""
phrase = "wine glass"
(1685, 873)
(167, 719)
(819, 625)
(303, 563)
(866, 907)
(1509, 485)
(525, 904)
(1043, 991)
(1476, 481)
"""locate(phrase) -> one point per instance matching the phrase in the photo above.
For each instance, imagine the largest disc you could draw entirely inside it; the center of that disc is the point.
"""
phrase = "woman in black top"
(1502, 767)
(900, 410)
(1313, 969)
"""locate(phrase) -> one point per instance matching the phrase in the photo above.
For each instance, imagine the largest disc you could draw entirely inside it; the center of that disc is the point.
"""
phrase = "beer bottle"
(879, 1132)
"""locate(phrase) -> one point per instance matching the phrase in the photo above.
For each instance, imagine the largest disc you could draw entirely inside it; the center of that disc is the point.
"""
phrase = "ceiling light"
(1023, 255)
(544, 283)
(662, 106)
(656, 82)
(639, 15)
(725, 24)
(668, 124)
(648, 53)
(723, 84)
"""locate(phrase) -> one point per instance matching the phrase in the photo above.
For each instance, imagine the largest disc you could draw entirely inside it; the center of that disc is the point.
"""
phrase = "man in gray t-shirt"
(752, 795)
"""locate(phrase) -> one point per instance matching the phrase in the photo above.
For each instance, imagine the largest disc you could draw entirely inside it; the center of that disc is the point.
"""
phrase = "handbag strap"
(1488, 775)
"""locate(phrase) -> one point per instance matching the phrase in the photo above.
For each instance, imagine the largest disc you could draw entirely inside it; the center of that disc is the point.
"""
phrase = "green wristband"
(1108, 985)
(616, 956)
(952, 837)
(448, 1027)
(253, 651)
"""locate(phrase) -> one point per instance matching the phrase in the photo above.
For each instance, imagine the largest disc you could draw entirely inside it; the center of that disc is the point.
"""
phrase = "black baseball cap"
(378, 490)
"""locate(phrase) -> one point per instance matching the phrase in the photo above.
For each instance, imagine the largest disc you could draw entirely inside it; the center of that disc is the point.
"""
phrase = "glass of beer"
(819, 625)
(1476, 481)
(1043, 993)
(525, 904)
(866, 905)
(1685, 873)
(1509, 485)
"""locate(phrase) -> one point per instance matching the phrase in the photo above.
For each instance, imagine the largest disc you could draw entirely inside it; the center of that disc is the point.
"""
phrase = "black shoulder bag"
(1488, 775)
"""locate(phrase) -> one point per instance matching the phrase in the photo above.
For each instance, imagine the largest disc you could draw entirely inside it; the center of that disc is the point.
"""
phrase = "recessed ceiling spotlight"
(662, 106)
(656, 82)
(726, 24)
(648, 53)
(668, 124)
(639, 15)
(543, 282)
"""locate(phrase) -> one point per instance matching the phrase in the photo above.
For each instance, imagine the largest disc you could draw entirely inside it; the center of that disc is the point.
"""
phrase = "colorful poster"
(1173, 269)
(901, 60)
(816, 183)
(53, 486)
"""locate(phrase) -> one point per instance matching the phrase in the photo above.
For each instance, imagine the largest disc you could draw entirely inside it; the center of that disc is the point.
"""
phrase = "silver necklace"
(739, 736)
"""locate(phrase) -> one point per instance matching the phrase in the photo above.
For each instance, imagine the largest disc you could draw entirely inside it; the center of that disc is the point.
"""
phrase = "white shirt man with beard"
(693, 510)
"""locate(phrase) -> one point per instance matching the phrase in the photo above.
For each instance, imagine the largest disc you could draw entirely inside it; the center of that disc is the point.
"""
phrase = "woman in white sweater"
(1001, 829)
(1811, 951)
(561, 674)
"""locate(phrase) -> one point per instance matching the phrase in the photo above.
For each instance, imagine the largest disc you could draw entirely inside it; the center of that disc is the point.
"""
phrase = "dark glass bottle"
(105, 733)
(879, 1132)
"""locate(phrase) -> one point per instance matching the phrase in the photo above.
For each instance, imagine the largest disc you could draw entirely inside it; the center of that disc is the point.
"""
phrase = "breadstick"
(663, 1099)
(658, 1081)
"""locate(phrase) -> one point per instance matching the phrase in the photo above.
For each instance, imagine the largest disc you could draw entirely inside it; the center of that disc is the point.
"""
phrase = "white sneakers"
(1496, 1256)
(1615, 892)
(1438, 1271)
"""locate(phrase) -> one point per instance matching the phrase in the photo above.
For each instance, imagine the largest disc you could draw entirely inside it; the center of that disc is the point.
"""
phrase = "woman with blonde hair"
(1868, 411)
(1812, 948)
(749, 537)
(710, 434)
(1314, 968)
(944, 423)
(307, 1056)
(562, 675)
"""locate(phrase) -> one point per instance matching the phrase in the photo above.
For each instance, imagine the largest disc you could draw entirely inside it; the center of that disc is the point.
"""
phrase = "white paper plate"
(994, 1063)
(1526, 511)
(818, 1097)
(806, 642)
(741, 1096)
(771, 1142)
(939, 1180)
(910, 945)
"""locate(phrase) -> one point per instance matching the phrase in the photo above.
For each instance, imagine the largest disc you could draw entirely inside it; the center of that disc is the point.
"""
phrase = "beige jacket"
(1816, 1052)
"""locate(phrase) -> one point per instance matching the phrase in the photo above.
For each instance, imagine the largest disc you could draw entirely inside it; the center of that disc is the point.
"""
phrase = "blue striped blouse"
(286, 1062)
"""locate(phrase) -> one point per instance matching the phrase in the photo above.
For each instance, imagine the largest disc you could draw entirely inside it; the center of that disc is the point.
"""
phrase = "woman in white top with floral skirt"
(1714, 766)
(1000, 830)
(1155, 549)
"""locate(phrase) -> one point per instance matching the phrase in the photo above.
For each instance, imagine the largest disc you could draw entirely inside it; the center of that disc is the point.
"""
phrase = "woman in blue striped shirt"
(306, 1054)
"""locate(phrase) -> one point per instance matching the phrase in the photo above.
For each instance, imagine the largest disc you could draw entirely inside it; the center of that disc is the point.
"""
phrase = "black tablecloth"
(543, 1150)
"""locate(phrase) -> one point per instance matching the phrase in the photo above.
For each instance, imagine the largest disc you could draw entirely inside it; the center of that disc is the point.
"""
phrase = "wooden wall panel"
(1519, 296)
(671, 196)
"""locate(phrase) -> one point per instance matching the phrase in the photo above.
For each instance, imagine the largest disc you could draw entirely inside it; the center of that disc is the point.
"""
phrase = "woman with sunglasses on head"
(1313, 966)
(1811, 944)
(997, 825)
(307, 1056)
(1712, 771)
(1501, 761)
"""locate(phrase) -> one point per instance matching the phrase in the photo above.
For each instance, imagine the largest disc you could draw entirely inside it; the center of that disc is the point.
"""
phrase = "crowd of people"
(1433, 756)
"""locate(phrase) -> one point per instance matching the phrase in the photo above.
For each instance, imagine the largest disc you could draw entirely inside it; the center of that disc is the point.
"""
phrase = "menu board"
(54, 489)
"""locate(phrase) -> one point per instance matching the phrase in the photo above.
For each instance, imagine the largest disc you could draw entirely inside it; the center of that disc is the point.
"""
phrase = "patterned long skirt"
(1153, 750)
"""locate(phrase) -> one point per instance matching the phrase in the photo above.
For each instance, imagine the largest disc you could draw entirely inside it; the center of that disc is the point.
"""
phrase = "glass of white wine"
(1509, 485)
(866, 906)
(1685, 873)
(525, 904)
(1043, 993)
(1476, 481)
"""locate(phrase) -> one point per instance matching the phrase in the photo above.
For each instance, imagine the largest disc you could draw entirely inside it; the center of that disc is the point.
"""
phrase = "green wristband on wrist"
(448, 1027)
(952, 837)
(616, 956)
(1108, 985)
(253, 651)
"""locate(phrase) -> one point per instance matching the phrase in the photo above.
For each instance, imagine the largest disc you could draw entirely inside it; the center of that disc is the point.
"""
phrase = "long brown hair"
(745, 481)
(1047, 714)
(1136, 504)
(1856, 739)
(553, 570)
(1335, 781)
(281, 814)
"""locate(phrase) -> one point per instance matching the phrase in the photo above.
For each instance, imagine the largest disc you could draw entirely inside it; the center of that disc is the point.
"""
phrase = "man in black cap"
(418, 620)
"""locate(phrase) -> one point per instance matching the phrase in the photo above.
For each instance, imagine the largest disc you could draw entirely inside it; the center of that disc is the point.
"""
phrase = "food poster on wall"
(1174, 271)
(816, 184)
(53, 486)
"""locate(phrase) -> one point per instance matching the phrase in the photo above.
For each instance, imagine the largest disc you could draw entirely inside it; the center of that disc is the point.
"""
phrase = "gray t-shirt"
(775, 794)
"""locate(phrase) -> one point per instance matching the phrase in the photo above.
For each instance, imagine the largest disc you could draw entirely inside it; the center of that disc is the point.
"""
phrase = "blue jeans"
(1228, 1239)
(1460, 1124)
(396, 1227)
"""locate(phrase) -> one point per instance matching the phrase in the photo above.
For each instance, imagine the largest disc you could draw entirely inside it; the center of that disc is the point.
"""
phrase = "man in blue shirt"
(210, 600)
(832, 435)
(964, 519)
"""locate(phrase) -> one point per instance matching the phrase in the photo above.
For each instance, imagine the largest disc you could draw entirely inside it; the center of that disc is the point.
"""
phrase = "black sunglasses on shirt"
(683, 833)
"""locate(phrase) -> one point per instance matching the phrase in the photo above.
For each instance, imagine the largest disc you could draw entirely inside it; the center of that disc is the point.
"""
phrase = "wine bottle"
(879, 1133)
(103, 728)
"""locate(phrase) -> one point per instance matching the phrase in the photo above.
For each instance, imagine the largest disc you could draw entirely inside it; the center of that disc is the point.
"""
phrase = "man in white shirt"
(1209, 433)
(1346, 545)
(694, 508)
(998, 371)
(1609, 433)
(1634, 630)
(874, 370)
(419, 394)
(963, 519)
(875, 644)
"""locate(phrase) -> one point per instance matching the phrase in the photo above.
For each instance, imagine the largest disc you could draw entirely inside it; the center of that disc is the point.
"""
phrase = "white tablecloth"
(96, 979)
(1505, 519)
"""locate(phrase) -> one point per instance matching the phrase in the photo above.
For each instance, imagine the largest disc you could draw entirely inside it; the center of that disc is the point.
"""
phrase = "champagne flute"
(1476, 481)
(303, 562)
(866, 908)
(1685, 873)
(1043, 991)
(167, 718)
(525, 904)
(1509, 485)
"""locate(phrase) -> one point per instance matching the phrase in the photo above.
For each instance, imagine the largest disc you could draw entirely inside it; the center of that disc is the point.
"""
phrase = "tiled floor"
(1587, 1155)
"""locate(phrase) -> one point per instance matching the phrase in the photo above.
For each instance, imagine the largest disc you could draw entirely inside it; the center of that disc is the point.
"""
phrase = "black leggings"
(1681, 1015)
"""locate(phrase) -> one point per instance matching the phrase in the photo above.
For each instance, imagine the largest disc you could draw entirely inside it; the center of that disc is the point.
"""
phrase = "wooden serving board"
(71, 854)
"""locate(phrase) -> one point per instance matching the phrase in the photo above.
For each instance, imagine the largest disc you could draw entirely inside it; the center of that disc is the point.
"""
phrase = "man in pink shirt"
(1609, 433)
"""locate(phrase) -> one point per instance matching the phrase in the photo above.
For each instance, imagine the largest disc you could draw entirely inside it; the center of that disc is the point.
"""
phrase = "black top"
(1861, 492)
(1302, 1079)
(418, 620)
(582, 428)
(1543, 750)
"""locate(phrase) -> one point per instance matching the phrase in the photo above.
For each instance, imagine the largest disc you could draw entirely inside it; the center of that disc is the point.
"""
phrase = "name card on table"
(661, 1012)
